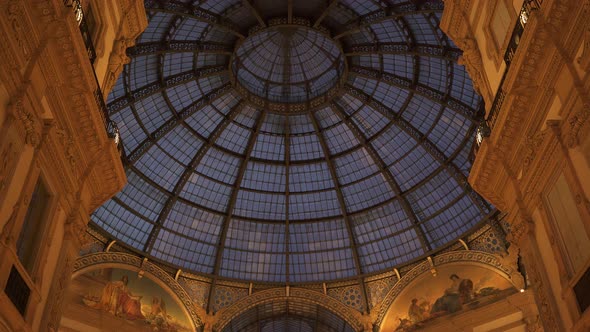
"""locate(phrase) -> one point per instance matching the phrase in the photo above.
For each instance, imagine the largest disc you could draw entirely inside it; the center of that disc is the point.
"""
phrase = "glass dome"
(293, 143)
(288, 63)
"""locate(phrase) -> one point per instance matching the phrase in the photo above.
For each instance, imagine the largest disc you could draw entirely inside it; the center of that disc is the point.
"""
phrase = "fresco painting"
(453, 290)
(112, 298)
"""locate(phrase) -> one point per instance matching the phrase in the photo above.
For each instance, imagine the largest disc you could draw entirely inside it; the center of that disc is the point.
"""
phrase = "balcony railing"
(110, 126)
(486, 126)
(527, 8)
(83, 26)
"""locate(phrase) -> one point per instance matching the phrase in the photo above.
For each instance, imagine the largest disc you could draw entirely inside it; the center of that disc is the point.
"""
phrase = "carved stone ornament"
(493, 262)
(75, 229)
(510, 260)
(533, 324)
(117, 60)
(532, 144)
(29, 123)
(576, 123)
(58, 292)
(519, 229)
(97, 260)
(67, 141)
(16, 16)
(471, 59)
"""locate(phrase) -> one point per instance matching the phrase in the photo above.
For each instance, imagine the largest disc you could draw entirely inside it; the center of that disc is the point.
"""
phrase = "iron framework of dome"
(293, 141)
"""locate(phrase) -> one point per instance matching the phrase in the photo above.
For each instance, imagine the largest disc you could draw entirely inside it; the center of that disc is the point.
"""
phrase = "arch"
(494, 263)
(129, 262)
(291, 315)
(349, 315)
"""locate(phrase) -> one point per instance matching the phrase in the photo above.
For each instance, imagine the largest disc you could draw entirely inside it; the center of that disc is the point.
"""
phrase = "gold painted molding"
(348, 314)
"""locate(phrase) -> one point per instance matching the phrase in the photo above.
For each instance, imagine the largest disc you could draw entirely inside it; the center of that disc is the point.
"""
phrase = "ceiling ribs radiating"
(337, 187)
(188, 171)
(193, 12)
(287, 192)
(232, 202)
(386, 174)
(179, 46)
(403, 48)
(390, 13)
(255, 12)
(184, 114)
(342, 204)
(324, 13)
(164, 84)
(418, 88)
(409, 17)
(429, 146)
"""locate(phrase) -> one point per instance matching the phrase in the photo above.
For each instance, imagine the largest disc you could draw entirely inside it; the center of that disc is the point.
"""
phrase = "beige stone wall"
(535, 163)
(52, 129)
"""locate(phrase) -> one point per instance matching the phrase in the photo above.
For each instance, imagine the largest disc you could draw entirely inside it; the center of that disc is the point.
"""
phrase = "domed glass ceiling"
(288, 64)
(293, 141)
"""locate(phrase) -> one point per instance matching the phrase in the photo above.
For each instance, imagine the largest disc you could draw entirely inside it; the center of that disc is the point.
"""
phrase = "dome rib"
(388, 176)
(161, 85)
(287, 193)
(340, 195)
(210, 166)
(185, 113)
(178, 46)
(442, 98)
(403, 48)
(187, 173)
(391, 13)
(234, 192)
(430, 147)
(190, 11)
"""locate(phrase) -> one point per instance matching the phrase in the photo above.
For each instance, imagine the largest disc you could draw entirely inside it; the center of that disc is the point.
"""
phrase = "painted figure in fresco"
(460, 292)
(417, 313)
(158, 307)
(158, 318)
(118, 300)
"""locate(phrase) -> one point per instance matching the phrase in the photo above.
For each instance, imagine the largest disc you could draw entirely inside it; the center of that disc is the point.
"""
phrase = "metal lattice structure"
(293, 141)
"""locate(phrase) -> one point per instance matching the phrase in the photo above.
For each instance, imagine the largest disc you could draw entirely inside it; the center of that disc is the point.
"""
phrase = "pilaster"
(73, 237)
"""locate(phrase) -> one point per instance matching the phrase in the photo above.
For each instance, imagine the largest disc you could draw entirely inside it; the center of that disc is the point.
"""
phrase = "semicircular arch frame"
(94, 261)
(492, 262)
(348, 314)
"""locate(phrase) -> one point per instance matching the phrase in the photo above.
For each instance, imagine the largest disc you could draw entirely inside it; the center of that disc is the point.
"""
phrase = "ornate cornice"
(576, 122)
(81, 134)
